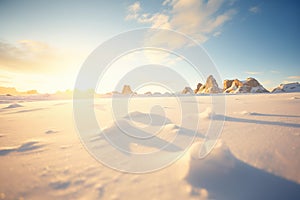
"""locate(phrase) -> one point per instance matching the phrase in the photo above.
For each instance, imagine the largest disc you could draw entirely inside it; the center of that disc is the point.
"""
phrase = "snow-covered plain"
(257, 156)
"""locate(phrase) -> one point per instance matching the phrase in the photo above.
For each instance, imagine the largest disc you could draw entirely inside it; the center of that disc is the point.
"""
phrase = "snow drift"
(224, 177)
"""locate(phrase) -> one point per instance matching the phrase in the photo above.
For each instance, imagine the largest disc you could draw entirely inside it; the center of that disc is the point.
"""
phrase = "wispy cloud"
(275, 72)
(232, 2)
(166, 2)
(253, 73)
(294, 77)
(133, 11)
(200, 19)
(254, 9)
(217, 34)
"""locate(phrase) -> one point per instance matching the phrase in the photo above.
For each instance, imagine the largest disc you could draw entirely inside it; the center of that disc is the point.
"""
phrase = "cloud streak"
(253, 73)
(198, 18)
(254, 9)
(294, 77)
(275, 72)
(133, 11)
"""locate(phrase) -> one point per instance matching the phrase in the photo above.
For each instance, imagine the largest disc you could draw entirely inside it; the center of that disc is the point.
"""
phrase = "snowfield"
(256, 157)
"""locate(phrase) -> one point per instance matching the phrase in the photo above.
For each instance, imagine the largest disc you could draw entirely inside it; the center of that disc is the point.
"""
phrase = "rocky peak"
(227, 84)
(126, 90)
(198, 88)
(250, 85)
(187, 90)
(211, 86)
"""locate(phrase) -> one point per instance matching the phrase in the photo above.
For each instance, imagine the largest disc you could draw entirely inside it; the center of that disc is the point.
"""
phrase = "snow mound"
(226, 177)
(15, 105)
(295, 98)
(245, 112)
(171, 127)
(59, 184)
(122, 133)
(24, 147)
(207, 114)
(150, 119)
(289, 87)
(50, 132)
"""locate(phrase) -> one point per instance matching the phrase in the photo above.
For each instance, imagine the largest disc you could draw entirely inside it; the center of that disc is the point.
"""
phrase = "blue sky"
(44, 43)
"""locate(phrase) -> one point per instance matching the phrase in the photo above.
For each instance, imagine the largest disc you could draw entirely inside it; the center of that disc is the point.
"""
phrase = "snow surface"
(257, 156)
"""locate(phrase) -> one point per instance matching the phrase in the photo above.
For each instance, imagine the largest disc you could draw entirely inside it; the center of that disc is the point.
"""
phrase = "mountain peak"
(288, 87)
(250, 85)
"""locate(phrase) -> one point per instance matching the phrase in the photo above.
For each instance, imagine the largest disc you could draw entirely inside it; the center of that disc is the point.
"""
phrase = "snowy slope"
(289, 87)
(257, 157)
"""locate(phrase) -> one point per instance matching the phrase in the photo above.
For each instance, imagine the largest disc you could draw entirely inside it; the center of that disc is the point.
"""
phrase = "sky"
(43, 44)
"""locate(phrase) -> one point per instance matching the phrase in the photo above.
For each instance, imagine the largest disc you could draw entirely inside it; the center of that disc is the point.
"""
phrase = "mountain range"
(250, 85)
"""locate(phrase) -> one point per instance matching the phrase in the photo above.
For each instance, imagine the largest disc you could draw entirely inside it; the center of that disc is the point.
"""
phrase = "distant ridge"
(250, 85)
(11, 91)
